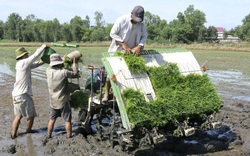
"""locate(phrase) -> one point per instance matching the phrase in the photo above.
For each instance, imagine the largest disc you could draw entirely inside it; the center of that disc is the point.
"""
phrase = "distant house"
(228, 38)
(220, 33)
(231, 38)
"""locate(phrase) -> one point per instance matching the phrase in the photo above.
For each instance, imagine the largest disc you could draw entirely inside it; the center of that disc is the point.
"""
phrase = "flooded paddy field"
(228, 71)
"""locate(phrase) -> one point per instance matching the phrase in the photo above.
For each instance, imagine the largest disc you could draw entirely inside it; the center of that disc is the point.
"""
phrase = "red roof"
(220, 29)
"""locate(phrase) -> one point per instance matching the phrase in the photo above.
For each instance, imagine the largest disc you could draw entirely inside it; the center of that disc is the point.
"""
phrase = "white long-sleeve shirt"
(123, 31)
(23, 73)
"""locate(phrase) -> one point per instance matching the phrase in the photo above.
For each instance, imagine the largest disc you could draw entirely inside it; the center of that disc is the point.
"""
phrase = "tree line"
(187, 28)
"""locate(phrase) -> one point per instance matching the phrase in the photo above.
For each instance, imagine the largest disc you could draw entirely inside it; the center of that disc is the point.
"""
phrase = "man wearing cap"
(128, 34)
(59, 96)
(22, 92)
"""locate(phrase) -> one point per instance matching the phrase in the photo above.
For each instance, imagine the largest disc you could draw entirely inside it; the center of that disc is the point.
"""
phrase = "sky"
(219, 13)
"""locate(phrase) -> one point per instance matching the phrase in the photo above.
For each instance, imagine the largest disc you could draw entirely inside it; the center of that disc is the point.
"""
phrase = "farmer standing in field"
(128, 34)
(22, 92)
(59, 95)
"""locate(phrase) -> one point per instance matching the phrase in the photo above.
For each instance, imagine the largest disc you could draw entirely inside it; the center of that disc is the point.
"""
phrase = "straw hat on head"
(55, 59)
(20, 52)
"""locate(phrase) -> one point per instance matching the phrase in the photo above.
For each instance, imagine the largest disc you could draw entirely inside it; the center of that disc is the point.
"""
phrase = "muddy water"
(29, 144)
(232, 85)
(40, 72)
(231, 81)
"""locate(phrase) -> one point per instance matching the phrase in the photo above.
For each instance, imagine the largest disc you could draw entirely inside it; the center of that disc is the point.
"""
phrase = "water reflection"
(229, 76)
(30, 145)
(5, 68)
(40, 73)
(231, 83)
(22, 142)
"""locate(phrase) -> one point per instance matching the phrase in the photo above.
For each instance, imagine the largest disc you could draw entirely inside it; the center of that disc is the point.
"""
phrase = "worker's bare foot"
(13, 136)
(69, 136)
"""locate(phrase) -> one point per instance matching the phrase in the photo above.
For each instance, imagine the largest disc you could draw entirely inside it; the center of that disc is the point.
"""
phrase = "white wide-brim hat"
(55, 59)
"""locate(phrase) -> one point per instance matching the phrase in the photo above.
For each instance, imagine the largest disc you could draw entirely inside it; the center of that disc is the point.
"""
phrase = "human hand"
(43, 46)
(64, 56)
(137, 50)
(41, 62)
(126, 48)
(47, 45)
